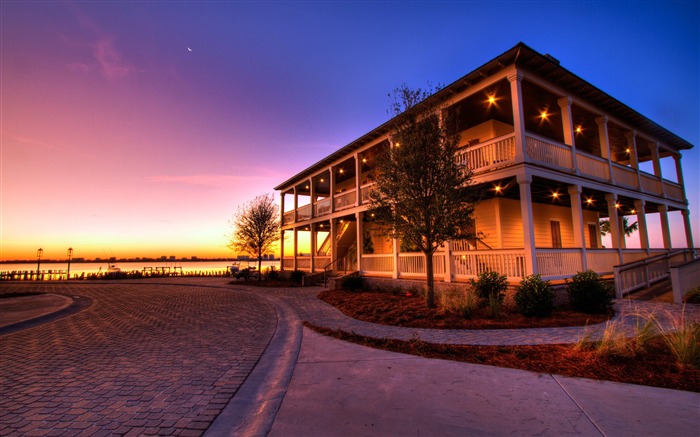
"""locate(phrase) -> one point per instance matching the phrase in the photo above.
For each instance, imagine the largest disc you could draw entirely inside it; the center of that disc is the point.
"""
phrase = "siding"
(485, 131)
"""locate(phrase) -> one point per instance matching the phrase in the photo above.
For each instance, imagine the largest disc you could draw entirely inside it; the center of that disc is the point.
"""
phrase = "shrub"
(588, 293)
(296, 276)
(490, 286)
(352, 283)
(463, 302)
(534, 297)
(272, 274)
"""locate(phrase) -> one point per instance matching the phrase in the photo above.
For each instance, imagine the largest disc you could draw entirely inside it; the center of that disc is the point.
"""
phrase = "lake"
(188, 267)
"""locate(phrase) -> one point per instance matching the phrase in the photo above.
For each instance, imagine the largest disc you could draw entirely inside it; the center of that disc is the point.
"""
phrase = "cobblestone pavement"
(143, 359)
(322, 314)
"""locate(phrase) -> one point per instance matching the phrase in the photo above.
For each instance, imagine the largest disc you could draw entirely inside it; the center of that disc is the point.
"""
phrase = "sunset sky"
(138, 128)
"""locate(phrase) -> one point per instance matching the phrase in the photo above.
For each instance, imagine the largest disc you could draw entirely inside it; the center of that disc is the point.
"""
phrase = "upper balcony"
(558, 132)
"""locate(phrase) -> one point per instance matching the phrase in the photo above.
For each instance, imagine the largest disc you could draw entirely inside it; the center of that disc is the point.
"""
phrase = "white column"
(524, 182)
(655, 159)
(639, 206)
(448, 261)
(395, 248)
(281, 208)
(282, 249)
(296, 209)
(634, 159)
(605, 143)
(331, 183)
(360, 238)
(611, 199)
(334, 246)
(568, 126)
(312, 197)
(688, 228)
(312, 240)
(358, 174)
(679, 170)
(577, 219)
(665, 228)
(623, 234)
(296, 249)
(516, 95)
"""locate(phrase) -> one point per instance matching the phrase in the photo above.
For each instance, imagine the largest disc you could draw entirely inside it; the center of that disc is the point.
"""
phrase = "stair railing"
(643, 273)
(335, 261)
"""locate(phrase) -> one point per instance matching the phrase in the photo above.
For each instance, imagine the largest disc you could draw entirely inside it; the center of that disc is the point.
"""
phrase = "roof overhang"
(545, 66)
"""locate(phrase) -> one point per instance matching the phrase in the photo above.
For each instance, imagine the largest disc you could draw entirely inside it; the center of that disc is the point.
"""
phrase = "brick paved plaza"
(141, 360)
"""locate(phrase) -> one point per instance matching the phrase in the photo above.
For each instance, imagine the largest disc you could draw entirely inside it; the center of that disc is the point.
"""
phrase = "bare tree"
(423, 196)
(255, 228)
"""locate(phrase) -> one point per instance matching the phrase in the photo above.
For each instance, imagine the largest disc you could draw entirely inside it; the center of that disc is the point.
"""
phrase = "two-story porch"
(556, 156)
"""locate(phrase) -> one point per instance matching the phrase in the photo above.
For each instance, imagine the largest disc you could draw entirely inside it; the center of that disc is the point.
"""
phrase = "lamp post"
(39, 253)
(70, 255)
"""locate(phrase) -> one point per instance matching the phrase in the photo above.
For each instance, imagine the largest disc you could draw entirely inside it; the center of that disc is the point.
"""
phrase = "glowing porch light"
(579, 129)
(555, 194)
(364, 160)
(617, 205)
(341, 171)
(627, 150)
(589, 200)
(633, 211)
(544, 115)
(497, 188)
(492, 99)
(321, 179)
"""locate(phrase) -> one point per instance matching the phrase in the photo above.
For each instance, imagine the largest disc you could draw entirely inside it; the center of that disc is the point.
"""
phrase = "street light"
(39, 253)
(70, 255)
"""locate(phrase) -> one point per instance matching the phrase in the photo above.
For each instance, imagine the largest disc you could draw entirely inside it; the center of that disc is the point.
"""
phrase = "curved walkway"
(321, 314)
(142, 359)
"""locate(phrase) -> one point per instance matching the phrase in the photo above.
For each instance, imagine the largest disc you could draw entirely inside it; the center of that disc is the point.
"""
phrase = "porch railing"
(288, 217)
(322, 207)
(673, 191)
(548, 151)
(624, 175)
(365, 190)
(651, 184)
(345, 200)
(414, 264)
(380, 263)
(491, 154)
(593, 166)
(304, 212)
(559, 263)
(472, 263)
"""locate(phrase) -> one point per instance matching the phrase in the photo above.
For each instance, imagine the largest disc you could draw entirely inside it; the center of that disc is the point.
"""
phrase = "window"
(593, 235)
(556, 234)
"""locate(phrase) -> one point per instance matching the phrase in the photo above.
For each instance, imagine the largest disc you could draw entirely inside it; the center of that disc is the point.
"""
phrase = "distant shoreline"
(134, 260)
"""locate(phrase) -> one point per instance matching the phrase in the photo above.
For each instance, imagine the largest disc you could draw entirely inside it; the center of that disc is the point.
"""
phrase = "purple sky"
(137, 128)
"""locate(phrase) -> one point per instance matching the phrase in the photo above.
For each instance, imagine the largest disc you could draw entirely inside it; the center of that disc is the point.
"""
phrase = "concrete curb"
(253, 409)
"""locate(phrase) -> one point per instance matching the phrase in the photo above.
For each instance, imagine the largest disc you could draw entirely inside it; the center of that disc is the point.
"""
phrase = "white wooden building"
(556, 155)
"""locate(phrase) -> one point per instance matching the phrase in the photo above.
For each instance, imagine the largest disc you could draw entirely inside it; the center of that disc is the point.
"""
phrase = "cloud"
(104, 55)
(31, 142)
(110, 60)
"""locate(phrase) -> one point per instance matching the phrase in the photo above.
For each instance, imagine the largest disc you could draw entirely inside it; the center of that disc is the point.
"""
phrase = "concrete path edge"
(254, 407)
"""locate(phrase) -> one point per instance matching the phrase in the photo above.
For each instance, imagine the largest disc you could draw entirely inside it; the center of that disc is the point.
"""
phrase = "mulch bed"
(412, 312)
(654, 366)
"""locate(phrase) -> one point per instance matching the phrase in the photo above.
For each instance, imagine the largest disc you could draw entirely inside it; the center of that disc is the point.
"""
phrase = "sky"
(136, 129)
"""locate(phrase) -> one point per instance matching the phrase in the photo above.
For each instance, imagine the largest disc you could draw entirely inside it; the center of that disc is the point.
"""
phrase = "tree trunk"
(430, 293)
(259, 267)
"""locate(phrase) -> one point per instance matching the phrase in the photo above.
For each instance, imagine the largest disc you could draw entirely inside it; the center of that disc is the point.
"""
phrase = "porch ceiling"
(543, 192)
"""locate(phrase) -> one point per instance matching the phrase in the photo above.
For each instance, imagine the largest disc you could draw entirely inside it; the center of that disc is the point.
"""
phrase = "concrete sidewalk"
(343, 389)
